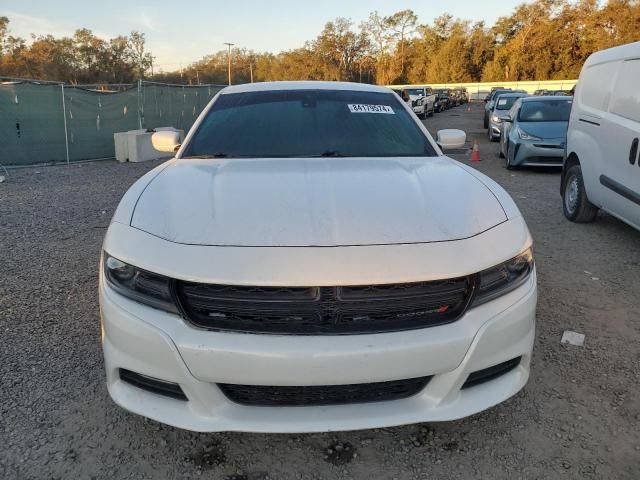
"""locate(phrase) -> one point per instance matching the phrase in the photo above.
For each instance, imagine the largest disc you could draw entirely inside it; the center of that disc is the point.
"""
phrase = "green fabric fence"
(44, 122)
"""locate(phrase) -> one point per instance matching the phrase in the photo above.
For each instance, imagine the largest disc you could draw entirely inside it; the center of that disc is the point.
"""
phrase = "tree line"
(81, 59)
(543, 40)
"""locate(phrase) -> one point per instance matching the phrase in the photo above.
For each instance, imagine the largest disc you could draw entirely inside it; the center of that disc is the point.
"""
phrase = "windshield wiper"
(211, 155)
(331, 153)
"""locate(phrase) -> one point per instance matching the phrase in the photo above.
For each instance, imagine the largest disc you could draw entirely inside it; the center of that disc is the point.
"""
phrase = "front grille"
(325, 310)
(294, 396)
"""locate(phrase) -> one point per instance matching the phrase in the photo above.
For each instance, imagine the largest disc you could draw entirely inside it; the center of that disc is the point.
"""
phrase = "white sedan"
(311, 261)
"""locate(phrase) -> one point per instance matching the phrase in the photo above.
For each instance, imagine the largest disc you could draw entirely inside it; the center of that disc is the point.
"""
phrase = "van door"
(621, 173)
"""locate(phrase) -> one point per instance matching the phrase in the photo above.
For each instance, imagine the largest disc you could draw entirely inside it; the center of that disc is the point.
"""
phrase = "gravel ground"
(577, 418)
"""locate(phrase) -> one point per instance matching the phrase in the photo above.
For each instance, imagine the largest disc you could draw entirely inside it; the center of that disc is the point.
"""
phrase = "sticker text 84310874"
(363, 108)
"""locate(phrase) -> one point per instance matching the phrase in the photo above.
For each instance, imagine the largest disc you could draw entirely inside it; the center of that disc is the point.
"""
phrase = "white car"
(311, 261)
(422, 101)
(602, 161)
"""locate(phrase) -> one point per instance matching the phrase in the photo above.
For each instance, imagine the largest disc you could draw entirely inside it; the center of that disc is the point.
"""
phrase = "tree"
(138, 55)
(403, 25)
(539, 40)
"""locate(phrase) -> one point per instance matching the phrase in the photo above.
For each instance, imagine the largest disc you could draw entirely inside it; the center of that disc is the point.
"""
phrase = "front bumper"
(163, 346)
(419, 109)
(539, 153)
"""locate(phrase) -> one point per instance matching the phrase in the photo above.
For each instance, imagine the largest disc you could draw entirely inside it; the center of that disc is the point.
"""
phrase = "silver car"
(535, 133)
(500, 112)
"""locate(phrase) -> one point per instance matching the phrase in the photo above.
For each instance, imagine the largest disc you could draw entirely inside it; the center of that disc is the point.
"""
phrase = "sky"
(179, 33)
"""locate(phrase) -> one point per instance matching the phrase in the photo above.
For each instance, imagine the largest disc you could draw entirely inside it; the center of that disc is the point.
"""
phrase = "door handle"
(633, 153)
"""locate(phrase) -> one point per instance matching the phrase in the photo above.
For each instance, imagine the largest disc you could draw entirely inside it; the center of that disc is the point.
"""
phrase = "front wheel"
(486, 121)
(576, 205)
(507, 162)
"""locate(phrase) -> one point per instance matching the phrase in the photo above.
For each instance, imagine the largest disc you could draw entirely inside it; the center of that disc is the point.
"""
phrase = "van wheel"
(486, 121)
(576, 205)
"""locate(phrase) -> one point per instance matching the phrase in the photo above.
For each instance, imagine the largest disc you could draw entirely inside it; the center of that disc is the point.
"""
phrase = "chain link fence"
(48, 122)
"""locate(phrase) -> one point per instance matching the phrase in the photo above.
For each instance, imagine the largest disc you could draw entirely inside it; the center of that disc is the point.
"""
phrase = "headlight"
(139, 285)
(496, 119)
(420, 102)
(503, 278)
(526, 136)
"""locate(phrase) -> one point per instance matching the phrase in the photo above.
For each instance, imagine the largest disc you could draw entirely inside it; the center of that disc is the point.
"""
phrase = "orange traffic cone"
(475, 152)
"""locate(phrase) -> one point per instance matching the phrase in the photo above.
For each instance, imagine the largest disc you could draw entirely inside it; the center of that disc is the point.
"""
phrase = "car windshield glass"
(505, 103)
(308, 123)
(496, 93)
(415, 91)
(549, 111)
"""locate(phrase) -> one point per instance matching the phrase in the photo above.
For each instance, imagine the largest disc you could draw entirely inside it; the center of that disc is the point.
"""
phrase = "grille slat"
(325, 310)
(293, 396)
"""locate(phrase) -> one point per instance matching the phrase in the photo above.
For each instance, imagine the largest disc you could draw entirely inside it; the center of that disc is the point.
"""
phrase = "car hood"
(315, 202)
(546, 130)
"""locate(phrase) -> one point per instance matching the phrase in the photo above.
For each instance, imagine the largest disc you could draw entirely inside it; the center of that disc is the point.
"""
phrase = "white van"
(601, 167)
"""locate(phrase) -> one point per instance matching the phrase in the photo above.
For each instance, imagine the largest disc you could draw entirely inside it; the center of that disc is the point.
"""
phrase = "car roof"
(512, 94)
(302, 85)
(546, 99)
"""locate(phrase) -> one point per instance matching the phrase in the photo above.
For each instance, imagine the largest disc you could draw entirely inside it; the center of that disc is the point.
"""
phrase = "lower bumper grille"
(153, 385)
(487, 374)
(314, 395)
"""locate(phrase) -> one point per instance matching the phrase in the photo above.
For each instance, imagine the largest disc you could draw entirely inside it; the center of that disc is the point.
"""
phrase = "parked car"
(453, 98)
(500, 112)
(331, 271)
(558, 93)
(489, 103)
(602, 164)
(463, 95)
(442, 102)
(423, 101)
(535, 133)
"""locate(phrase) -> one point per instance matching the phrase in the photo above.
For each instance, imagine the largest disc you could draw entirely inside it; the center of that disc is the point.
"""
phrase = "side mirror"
(450, 139)
(166, 141)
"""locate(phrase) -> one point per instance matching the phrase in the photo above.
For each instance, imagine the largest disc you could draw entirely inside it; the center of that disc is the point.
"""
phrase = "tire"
(486, 121)
(507, 162)
(575, 204)
(491, 137)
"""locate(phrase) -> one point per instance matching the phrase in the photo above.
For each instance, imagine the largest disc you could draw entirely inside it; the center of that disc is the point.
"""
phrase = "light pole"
(229, 58)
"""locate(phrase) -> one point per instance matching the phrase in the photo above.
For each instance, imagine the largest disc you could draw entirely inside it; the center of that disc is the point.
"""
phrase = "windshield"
(495, 93)
(549, 111)
(308, 123)
(505, 103)
(419, 92)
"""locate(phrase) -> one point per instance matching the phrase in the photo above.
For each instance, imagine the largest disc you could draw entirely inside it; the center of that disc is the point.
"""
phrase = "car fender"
(588, 151)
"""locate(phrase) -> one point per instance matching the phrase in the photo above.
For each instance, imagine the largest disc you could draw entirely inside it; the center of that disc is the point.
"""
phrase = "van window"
(625, 99)
(595, 85)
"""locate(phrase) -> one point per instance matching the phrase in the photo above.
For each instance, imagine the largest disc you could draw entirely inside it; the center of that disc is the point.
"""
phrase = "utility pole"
(229, 58)
(251, 71)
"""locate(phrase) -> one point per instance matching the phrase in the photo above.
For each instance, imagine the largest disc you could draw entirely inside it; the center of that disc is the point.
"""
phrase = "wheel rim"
(571, 194)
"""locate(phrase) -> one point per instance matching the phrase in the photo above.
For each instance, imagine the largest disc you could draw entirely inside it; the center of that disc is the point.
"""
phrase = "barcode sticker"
(362, 108)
